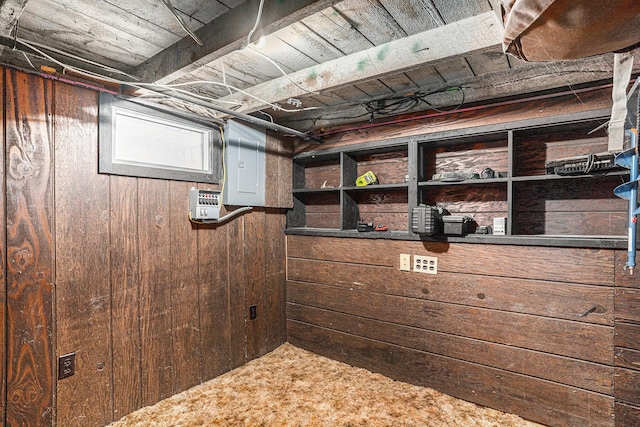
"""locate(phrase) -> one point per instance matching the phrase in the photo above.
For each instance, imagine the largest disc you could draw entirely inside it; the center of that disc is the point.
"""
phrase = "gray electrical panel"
(245, 163)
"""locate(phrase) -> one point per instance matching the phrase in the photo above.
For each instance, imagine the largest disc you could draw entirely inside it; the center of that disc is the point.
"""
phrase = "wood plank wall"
(550, 334)
(526, 330)
(110, 268)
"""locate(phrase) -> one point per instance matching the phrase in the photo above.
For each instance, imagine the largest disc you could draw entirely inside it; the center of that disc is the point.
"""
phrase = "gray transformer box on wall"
(245, 163)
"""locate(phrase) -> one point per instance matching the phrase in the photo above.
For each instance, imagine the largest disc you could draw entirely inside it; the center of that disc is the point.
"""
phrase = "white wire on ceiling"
(183, 24)
(255, 26)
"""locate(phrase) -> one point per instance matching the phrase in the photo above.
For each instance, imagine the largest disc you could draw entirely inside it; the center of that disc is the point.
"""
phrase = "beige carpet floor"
(290, 387)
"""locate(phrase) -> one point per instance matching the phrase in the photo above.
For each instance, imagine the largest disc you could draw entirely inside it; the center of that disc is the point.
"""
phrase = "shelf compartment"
(387, 207)
(584, 207)
(315, 210)
(481, 202)
(534, 147)
(468, 155)
(310, 176)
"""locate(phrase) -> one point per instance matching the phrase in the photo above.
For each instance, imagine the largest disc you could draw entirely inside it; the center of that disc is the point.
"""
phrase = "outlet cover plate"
(405, 262)
(425, 264)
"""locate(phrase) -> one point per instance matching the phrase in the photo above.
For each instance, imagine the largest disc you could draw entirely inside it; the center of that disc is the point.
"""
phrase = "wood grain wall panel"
(626, 415)
(593, 304)
(154, 239)
(214, 281)
(185, 297)
(83, 295)
(278, 180)
(256, 295)
(591, 266)
(532, 398)
(572, 339)
(125, 296)
(491, 314)
(150, 303)
(3, 252)
(627, 385)
(573, 372)
(627, 335)
(622, 276)
(30, 251)
(238, 307)
(628, 304)
(275, 261)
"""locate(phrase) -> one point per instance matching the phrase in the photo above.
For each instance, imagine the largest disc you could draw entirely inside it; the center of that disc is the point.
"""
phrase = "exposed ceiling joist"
(10, 11)
(223, 35)
(538, 77)
(459, 38)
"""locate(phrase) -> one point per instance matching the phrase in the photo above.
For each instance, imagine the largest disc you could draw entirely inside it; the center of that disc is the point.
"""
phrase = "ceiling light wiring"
(275, 106)
(183, 24)
(283, 72)
(31, 44)
(255, 26)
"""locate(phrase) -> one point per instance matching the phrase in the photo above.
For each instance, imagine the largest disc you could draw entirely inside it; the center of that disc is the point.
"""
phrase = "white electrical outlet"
(405, 262)
(425, 264)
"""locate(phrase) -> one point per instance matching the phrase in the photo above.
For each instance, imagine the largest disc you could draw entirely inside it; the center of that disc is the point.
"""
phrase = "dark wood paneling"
(573, 372)
(125, 296)
(627, 335)
(83, 297)
(628, 304)
(238, 309)
(627, 386)
(590, 266)
(532, 398)
(184, 291)
(275, 259)
(278, 180)
(215, 332)
(155, 290)
(551, 299)
(572, 339)
(626, 415)
(30, 256)
(627, 358)
(254, 257)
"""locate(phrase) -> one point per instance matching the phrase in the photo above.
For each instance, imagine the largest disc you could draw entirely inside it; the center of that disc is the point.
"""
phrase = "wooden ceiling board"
(414, 16)
(203, 11)
(426, 78)
(248, 62)
(456, 10)
(308, 42)
(399, 83)
(286, 56)
(221, 71)
(397, 56)
(335, 29)
(488, 62)
(10, 11)
(111, 15)
(454, 69)
(150, 11)
(372, 20)
(374, 89)
(86, 39)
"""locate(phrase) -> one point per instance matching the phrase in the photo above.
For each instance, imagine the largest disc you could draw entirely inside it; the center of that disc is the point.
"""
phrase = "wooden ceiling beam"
(458, 38)
(10, 11)
(223, 35)
(526, 79)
